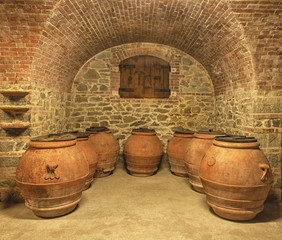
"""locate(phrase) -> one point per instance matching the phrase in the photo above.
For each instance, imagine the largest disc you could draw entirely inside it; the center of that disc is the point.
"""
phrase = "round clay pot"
(143, 152)
(51, 175)
(88, 149)
(195, 151)
(176, 150)
(107, 148)
(236, 177)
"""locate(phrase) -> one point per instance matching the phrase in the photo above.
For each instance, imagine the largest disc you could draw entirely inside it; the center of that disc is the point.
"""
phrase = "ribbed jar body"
(107, 148)
(143, 152)
(176, 150)
(87, 147)
(51, 176)
(236, 177)
(195, 152)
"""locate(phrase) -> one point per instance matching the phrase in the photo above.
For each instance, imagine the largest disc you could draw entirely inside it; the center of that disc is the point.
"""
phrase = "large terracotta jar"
(107, 148)
(88, 148)
(51, 175)
(195, 152)
(176, 150)
(143, 152)
(236, 177)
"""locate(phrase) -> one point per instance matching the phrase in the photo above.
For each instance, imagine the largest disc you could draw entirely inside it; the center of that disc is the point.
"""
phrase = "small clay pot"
(195, 151)
(51, 175)
(236, 177)
(176, 150)
(143, 152)
(107, 148)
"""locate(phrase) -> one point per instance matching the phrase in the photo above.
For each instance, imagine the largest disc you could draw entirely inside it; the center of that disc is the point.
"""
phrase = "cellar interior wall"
(96, 100)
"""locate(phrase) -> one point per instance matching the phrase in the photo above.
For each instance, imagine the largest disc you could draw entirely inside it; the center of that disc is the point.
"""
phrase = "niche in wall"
(144, 76)
(96, 99)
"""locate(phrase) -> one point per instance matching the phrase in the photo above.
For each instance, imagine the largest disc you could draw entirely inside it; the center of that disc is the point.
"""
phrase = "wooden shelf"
(18, 125)
(15, 108)
(13, 93)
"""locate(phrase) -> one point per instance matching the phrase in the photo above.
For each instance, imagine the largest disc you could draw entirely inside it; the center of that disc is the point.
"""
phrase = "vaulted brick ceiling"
(75, 30)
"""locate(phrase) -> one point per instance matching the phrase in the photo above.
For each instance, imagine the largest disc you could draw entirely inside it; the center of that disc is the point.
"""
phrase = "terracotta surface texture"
(195, 152)
(87, 148)
(176, 150)
(51, 176)
(236, 177)
(143, 153)
(107, 148)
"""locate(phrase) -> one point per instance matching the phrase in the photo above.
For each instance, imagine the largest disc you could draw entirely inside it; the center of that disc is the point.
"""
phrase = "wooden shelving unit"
(12, 93)
(15, 125)
(15, 110)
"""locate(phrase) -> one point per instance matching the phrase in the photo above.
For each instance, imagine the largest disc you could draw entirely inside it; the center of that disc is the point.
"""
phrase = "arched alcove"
(96, 101)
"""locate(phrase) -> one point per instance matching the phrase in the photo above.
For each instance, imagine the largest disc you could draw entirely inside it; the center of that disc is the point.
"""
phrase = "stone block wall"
(257, 114)
(46, 113)
(96, 102)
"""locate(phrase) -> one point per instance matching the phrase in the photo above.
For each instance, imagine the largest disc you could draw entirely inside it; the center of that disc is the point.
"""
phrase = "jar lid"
(97, 129)
(145, 130)
(71, 132)
(212, 132)
(81, 134)
(184, 131)
(54, 138)
(235, 139)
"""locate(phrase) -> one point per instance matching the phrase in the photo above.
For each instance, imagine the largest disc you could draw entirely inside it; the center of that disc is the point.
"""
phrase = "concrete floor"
(121, 206)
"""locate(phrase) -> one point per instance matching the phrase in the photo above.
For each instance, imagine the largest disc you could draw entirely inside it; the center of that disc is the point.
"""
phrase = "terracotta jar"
(88, 149)
(143, 152)
(195, 151)
(51, 175)
(176, 150)
(236, 177)
(107, 148)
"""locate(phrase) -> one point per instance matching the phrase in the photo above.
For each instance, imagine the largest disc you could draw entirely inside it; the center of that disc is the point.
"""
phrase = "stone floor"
(121, 206)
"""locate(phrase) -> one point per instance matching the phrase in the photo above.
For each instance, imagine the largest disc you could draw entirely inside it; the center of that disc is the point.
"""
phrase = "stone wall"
(257, 114)
(95, 98)
(45, 113)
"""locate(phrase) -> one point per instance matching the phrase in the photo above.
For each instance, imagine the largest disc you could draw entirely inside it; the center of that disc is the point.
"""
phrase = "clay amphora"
(88, 149)
(51, 175)
(195, 151)
(143, 152)
(107, 148)
(236, 177)
(176, 150)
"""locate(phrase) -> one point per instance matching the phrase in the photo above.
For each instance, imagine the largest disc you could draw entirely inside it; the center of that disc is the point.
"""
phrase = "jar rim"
(54, 138)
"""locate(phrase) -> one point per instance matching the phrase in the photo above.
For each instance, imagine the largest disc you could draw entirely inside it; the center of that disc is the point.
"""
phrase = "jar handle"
(264, 167)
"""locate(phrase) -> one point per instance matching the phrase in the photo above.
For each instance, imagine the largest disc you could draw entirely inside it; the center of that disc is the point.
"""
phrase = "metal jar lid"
(81, 134)
(211, 132)
(235, 139)
(184, 131)
(97, 129)
(144, 130)
(54, 138)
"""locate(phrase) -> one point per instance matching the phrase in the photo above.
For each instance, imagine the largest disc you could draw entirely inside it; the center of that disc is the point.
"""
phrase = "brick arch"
(209, 32)
(161, 51)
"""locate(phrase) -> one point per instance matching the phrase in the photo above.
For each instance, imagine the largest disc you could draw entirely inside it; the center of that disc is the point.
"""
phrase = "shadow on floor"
(271, 212)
